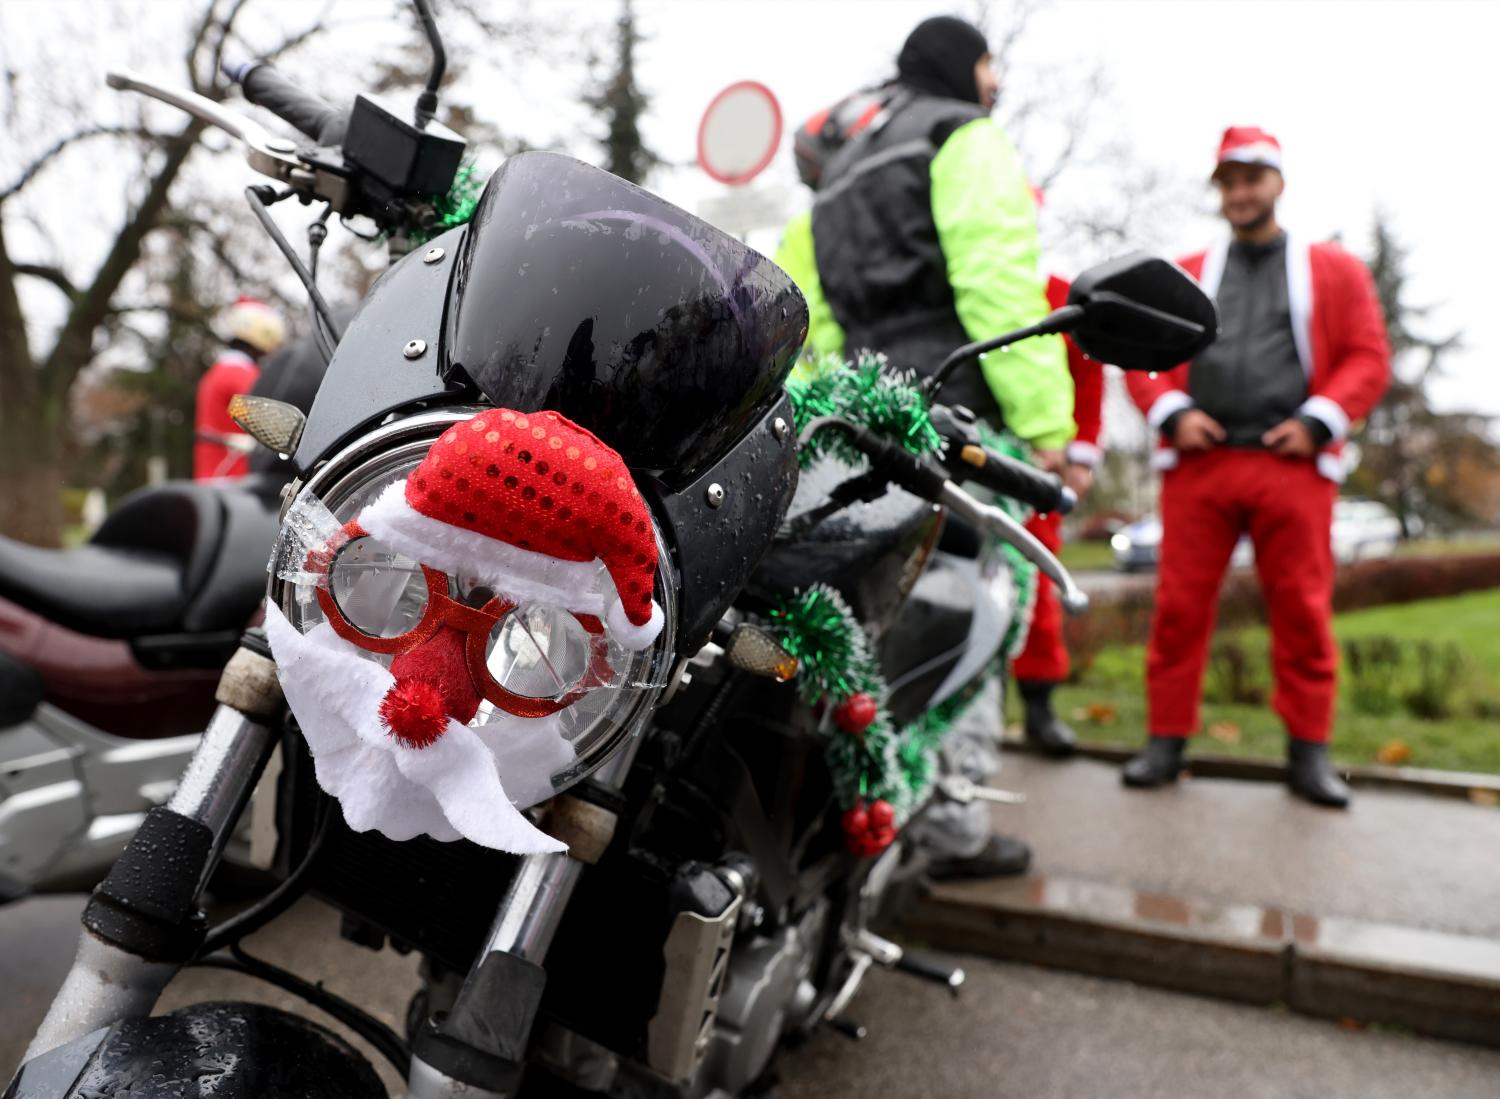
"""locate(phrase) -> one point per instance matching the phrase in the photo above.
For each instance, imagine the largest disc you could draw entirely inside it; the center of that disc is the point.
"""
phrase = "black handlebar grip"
(1010, 477)
(314, 116)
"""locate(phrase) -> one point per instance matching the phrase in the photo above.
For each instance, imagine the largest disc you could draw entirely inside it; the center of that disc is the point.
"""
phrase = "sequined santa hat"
(530, 504)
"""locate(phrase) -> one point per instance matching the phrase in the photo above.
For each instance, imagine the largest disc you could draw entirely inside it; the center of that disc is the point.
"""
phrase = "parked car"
(1361, 529)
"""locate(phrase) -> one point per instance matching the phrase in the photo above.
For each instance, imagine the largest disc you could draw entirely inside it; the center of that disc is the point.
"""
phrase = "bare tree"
(37, 374)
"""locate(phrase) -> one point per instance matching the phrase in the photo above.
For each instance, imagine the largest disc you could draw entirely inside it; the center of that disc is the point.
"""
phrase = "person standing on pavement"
(255, 331)
(923, 238)
(1043, 664)
(924, 232)
(1251, 434)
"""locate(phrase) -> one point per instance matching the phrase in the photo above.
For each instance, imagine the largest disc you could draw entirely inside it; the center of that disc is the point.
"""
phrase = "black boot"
(998, 858)
(1310, 774)
(1043, 730)
(1160, 763)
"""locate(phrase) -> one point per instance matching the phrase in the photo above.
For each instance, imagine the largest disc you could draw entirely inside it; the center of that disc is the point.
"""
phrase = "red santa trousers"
(1045, 657)
(1286, 507)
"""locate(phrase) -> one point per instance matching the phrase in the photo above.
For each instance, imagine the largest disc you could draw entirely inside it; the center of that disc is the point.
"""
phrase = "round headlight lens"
(381, 592)
(538, 651)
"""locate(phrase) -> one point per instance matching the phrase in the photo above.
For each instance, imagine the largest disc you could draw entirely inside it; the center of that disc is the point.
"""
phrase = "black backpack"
(820, 138)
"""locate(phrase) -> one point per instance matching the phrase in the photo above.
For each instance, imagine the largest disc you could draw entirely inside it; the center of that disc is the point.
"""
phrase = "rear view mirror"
(1141, 312)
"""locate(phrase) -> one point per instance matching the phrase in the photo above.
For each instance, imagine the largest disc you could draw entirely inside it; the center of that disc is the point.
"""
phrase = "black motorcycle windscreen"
(580, 292)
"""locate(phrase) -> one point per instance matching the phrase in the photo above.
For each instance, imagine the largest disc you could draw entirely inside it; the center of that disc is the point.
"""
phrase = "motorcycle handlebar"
(264, 86)
(1043, 491)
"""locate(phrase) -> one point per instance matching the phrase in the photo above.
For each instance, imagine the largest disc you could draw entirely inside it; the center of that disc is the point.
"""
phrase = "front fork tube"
(477, 1051)
(143, 922)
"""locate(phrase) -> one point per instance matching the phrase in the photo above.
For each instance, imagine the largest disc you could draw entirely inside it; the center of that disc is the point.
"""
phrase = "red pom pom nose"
(414, 713)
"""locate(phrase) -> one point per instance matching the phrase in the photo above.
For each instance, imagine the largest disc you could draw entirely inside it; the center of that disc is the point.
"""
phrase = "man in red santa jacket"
(1043, 663)
(1251, 438)
(220, 447)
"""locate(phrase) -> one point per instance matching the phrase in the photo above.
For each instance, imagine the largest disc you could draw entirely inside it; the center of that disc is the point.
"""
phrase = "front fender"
(222, 1050)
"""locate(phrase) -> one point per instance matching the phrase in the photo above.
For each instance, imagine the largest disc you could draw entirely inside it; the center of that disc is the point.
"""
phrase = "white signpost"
(737, 139)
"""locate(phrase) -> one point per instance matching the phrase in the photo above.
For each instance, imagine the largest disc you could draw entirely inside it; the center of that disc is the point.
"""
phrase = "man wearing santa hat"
(1251, 435)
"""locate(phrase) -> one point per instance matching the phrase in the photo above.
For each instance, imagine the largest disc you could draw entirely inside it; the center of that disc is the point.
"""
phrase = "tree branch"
(47, 273)
(62, 143)
(74, 345)
(16, 373)
(200, 35)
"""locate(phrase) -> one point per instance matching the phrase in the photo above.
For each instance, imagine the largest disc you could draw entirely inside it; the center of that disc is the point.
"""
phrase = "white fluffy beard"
(450, 789)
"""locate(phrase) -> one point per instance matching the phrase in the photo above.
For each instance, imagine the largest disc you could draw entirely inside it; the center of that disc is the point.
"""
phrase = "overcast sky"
(1384, 105)
(1377, 104)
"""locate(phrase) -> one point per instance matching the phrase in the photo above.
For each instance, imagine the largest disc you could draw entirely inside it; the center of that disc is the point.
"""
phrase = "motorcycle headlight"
(541, 667)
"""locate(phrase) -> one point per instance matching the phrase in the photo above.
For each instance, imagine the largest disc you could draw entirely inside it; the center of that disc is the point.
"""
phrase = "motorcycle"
(109, 656)
(689, 899)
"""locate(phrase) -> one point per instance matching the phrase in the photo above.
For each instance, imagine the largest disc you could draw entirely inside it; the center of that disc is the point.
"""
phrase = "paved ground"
(1398, 858)
(1023, 1032)
(38, 937)
(1017, 1031)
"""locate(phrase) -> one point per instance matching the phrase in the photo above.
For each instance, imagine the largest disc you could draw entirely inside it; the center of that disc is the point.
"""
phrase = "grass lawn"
(1083, 556)
(1107, 704)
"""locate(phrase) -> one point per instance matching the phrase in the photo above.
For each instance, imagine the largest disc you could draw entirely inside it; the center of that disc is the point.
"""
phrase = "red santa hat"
(1248, 145)
(531, 504)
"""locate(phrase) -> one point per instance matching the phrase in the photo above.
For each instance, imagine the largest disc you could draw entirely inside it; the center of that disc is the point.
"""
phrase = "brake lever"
(930, 481)
(268, 154)
(988, 517)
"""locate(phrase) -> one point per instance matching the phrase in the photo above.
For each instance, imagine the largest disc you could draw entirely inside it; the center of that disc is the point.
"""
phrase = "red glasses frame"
(476, 623)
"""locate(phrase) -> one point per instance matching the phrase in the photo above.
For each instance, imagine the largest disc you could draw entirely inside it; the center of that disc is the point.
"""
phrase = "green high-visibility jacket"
(985, 215)
(926, 239)
(795, 257)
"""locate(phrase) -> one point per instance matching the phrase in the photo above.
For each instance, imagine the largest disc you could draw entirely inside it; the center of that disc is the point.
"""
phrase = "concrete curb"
(1433, 982)
(1463, 785)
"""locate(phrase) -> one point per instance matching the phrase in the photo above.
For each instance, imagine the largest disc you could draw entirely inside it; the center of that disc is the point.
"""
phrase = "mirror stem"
(427, 100)
(1059, 320)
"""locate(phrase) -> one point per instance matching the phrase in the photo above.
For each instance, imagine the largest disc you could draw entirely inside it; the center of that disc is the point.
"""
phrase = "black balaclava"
(938, 58)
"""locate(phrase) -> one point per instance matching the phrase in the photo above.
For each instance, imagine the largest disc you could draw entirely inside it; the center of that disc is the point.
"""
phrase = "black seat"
(864, 550)
(137, 575)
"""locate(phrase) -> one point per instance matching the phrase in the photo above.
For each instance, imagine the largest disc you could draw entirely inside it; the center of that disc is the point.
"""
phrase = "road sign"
(739, 133)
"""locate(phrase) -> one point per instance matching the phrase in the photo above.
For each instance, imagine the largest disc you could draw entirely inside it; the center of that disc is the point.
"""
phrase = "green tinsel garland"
(867, 392)
(457, 206)
(835, 661)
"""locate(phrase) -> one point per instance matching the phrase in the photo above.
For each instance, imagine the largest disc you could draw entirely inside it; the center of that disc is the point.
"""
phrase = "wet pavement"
(1396, 858)
(1016, 1031)
(1021, 1032)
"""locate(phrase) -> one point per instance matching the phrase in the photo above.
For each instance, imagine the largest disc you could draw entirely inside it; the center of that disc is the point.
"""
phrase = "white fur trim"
(1213, 268)
(1162, 409)
(510, 570)
(1257, 152)
(1081, 453)
(1328, 413)
(628, 633)
(450, 789)
(1299, 299)
(1331, 466)
(1164, 458)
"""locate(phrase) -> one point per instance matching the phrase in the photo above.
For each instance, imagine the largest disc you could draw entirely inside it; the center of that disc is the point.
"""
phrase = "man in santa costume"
(1043, 663)
(1251, 437)
(220, 447)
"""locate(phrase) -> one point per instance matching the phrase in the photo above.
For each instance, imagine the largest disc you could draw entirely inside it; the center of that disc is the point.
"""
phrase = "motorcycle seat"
(179, 557)
(865, 550)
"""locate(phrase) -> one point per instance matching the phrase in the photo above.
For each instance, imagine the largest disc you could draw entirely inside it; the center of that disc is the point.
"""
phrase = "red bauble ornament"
(856, 713)
(869, 830)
